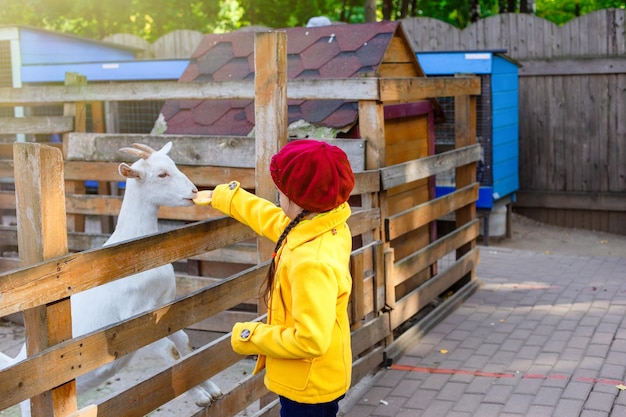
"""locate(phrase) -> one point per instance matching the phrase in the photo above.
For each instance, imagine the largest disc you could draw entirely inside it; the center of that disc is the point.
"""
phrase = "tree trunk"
(404, 9)
(387, 9)
(413, 8)
(474, 11)
(526, 6)
(511, 8)
(370, 10)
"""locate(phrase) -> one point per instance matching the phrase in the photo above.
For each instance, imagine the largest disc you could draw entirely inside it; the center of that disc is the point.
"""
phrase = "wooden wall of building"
(572, 94)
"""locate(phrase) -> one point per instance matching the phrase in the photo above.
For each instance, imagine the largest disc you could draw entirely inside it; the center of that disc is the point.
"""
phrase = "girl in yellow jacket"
(305, 344)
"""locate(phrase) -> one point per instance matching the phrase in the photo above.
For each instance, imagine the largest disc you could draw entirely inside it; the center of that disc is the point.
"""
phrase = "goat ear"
(127, 172)
(166, 148)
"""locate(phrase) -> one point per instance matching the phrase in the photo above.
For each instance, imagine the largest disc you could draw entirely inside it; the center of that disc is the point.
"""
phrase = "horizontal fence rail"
(393, 280)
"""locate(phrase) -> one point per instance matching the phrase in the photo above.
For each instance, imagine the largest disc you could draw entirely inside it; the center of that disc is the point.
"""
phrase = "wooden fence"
(572, 101)
(385, 297)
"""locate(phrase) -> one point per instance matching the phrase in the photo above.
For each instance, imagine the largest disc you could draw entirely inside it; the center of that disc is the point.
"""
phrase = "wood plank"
(363, 221)
(415, 89)
(367, 364)
(41, 223)
(85, 353)
(356, 297)
(425, 167)
(370, 334)
(573, 66)
(465, 135)
(202, 176)
(424, 258)
(227, 151)
(244, 253)
(414, 334)
(431, 289)
(65, 275)
(7, 200)
(189, 150)
(571, 200)
(360, 222)
(77, 110)
(366, 182)
(270, 105)
(76, 241)
(102, 205)
(237, 399)
(36, 125)
(422, 214)
(397, 51)
(300, 89)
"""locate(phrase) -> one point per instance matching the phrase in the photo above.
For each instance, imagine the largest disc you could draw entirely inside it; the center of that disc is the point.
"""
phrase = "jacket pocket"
(291, 373)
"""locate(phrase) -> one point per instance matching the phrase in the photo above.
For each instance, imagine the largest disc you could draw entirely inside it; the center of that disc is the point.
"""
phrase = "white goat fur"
(152, 181)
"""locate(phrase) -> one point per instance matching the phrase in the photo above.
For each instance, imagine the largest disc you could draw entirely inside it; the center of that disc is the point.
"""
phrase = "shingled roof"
(337, 51)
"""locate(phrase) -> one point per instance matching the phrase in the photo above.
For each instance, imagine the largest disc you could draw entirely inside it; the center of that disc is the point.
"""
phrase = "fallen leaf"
(621, 387)
(443, 351)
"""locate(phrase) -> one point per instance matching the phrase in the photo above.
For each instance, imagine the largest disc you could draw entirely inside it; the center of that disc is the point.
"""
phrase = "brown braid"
(269, 279)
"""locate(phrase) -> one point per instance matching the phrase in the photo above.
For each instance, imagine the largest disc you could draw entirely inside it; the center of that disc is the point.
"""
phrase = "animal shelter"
(497, 128)
(402, 272)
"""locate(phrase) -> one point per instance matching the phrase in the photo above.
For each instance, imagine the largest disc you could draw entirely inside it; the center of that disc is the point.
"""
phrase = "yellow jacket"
(305, 345)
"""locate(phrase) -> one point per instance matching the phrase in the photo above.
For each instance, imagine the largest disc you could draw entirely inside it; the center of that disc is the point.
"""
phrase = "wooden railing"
(386, 293)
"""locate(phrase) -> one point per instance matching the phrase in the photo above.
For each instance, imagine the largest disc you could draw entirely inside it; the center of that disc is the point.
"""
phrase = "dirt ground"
(527, 234)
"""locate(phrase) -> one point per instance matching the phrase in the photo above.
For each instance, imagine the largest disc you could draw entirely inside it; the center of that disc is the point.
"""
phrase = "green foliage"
(151, 19)
(287, 13)
(562, 11)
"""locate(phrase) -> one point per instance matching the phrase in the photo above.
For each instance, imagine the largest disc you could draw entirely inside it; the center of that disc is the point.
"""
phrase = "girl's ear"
(128, 172)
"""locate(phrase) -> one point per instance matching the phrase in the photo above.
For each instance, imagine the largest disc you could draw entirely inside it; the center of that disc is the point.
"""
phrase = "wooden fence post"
(76, 222)
(42, 235)
(270, 113)
(270, 120)
(465, 135)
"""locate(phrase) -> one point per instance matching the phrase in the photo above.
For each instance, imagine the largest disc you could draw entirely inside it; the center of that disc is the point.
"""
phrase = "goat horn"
(136, 152)
(144, 148)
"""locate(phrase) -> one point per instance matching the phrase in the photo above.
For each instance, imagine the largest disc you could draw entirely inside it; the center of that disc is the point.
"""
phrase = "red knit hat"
(315, 175)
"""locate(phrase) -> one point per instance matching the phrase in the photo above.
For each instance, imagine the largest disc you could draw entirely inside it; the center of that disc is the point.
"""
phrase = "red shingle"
(338, 51)
(347, 66)
(319, 54)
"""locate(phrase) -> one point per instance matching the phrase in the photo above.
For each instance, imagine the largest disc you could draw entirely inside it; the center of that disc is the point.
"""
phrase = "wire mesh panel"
(444, 133)
(137, 116)
(6, 80)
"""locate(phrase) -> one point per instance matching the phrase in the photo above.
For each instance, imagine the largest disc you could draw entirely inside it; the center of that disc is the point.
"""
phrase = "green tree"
(562, 11)
(151, 19)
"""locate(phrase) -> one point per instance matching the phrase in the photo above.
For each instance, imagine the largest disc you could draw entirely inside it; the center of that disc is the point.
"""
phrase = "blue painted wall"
(107, 71)
(46, 56)
(47, 47)
(505, 140)
(505, 114)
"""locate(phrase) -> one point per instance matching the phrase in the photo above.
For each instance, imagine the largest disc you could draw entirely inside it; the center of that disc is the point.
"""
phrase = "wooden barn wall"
(572, 109)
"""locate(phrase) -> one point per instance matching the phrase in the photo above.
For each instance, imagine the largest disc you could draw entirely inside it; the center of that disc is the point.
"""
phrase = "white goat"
(152, 181)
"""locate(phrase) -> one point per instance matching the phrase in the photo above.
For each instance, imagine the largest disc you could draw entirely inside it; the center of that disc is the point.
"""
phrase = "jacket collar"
(320, 224)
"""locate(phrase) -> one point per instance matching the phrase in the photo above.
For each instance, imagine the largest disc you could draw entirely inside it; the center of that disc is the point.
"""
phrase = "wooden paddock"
(58, 259)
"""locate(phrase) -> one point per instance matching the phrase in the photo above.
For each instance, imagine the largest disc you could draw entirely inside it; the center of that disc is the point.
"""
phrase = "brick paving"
(545, 335)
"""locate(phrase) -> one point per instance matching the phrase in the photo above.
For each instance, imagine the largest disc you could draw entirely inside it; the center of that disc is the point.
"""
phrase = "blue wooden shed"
(497, 127)
(33, 56)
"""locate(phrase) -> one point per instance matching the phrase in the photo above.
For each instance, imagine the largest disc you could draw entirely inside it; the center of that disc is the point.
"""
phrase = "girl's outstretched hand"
(203, 198)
